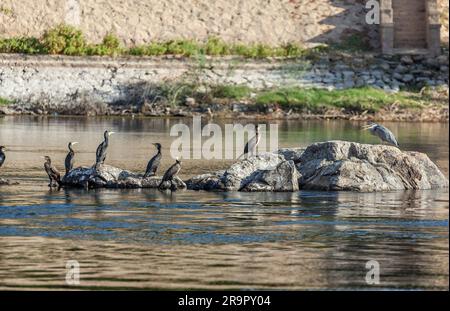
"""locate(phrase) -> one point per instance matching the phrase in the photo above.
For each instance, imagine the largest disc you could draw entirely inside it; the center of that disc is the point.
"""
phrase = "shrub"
(64, 39)
(21, 45)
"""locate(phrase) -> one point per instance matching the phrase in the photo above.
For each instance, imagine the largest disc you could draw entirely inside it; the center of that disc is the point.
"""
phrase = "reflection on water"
(198, 240)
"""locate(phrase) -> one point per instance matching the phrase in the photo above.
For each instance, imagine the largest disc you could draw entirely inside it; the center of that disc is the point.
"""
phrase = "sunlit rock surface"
(341, 165)
(333, 165)
(262, 172)
(106, 176)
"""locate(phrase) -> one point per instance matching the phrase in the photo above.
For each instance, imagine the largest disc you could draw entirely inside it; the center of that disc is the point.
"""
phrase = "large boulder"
(284, 177)
(341, 165)
(106, 176)
(262, 172)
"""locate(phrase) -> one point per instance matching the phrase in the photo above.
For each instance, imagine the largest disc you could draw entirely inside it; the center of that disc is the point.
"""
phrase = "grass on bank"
(4, 101)
(299, 99)
(67, 40)
(355, 99)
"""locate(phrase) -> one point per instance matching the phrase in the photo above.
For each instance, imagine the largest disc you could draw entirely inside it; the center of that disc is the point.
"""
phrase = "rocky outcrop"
(284, 177)
(341, 165)
(106, 176)
(327, 166)
(333, 165)
(263, 172)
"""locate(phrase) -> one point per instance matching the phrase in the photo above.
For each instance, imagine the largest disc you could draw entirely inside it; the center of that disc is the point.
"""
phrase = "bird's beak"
(366, 127)
(110, 133)
(74, 143)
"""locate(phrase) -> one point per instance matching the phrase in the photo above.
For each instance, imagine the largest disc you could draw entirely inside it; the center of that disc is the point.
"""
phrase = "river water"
(146, 239)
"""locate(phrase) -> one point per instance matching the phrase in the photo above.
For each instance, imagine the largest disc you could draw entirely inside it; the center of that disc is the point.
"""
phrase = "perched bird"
(101, 149)
(70, 157)
(250, 146)
(383, 133)
(154, 162)
(171, 172)
(2, 155)
(52, 172)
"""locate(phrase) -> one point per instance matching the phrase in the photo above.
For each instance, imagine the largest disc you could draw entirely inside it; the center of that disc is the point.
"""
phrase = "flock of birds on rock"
(250, 148)
(100, 157)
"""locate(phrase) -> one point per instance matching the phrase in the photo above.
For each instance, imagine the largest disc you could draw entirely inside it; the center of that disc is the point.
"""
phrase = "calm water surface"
(146, 239)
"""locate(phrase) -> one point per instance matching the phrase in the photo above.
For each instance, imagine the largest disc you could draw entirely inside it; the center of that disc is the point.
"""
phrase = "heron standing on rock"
(70, 157)
(171, 173)
(2, 155)
(382, 132)
(154, 162)
(101, 149)
(251, 145)
(52, 172)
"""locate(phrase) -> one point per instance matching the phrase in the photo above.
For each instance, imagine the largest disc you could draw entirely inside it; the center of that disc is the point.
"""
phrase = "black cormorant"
(382, 132)
(52, 172)
(2, 155)
(171, 172)
(101, 149)
(70, 157)
(153, 164)
(250, 146)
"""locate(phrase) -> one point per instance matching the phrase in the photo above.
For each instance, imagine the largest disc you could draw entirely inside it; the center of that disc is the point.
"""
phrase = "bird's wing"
(153, 163)
(54, 171)
(171, 172)
(386, 135)
(68, 161)
(392, 138)
(252, 143)
(246, 148)
(99, 151)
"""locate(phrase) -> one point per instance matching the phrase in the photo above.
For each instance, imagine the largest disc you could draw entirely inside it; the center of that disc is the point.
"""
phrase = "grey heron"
(68, 163)
(250, 146)
(52, 172)
(101, 149)
(171, 172)
(154, 162)
(382, 132)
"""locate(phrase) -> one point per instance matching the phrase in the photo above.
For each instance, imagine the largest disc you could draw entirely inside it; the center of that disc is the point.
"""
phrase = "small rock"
(407, 78)
(407, 60)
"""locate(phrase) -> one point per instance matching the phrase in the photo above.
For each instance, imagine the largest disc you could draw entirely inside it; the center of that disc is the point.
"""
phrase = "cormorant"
(171, 172)
(382, 132)
(70, 157)
(2, 155)
(52, 172)
(250, 146)
(153, 164)
(101, 149)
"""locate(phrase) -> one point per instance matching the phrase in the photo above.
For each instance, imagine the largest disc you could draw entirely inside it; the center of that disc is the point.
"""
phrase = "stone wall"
(58, 80)
(268, 21)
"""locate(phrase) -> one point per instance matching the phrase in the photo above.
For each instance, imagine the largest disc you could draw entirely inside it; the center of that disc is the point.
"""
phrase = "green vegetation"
(4, 101)
(355, 99)
(67, 40)
(231, 91)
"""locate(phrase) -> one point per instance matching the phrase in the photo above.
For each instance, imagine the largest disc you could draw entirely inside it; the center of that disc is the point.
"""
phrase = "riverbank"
(332, 85)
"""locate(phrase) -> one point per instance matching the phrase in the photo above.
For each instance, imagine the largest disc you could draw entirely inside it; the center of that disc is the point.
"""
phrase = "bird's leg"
(50, 183)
